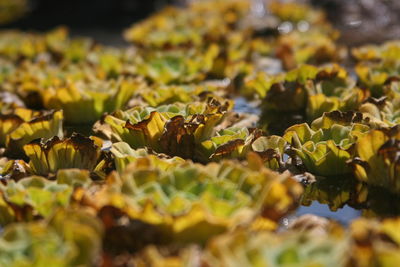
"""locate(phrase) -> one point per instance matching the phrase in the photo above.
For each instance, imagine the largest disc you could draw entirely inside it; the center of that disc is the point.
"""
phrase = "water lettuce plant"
(68, 238)
(376, 161)
(49, 156)
(177, 66)
(188, 202)
(176, 129)
(21, 126)
(326, 146)
(207, 131)
(303, 94)
(85, 103)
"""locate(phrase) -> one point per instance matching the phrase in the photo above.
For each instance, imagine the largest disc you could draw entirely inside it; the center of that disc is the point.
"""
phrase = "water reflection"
(344, 215)
(379, 203)
(344, 198)
(242, 105)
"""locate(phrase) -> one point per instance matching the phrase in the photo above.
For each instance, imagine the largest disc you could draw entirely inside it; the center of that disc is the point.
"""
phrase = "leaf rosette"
(21, 126)
(326, 146)
(376, 162)
(191, 202)
(35, 196)
(47, 157)
(40, 194)
(230, 143)
(237, 143)
(270, 249)
(311, 47)
(306, 93)
(382, 112)
(124, 155)
(160, 95)
(56, 44)
(85, 103)
(70, 238)
(387, 51)
(177, 66)
(380, 78)
(172, 129)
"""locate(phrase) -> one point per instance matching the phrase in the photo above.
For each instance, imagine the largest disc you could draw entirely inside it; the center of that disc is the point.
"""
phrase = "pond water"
(242, 105)
(344, 215)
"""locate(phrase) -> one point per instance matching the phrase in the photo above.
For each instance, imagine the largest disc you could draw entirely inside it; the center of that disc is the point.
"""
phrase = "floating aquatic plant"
(376, 162)
(193, 202)
(326, 146)
(47, 157)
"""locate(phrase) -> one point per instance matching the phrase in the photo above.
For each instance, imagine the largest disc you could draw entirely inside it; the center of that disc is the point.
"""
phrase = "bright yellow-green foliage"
(196, 143)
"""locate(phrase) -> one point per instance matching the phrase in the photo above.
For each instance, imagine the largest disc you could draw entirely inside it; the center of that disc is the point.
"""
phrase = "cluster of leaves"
(309, 241)
(304, 94)
(186, 202)
(166, 171)
(19, 126)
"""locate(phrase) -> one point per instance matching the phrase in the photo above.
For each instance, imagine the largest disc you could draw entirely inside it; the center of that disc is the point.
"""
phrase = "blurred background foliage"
(372, 20)
(10, 10)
